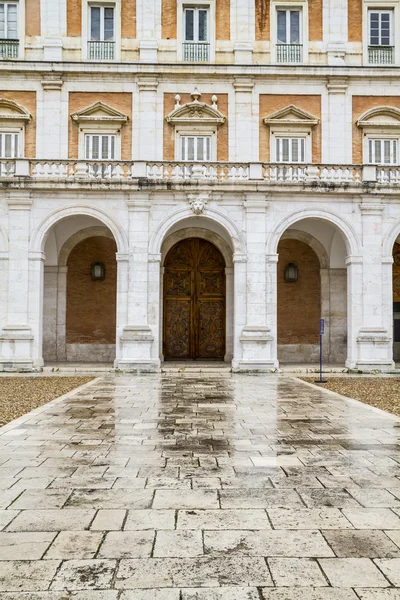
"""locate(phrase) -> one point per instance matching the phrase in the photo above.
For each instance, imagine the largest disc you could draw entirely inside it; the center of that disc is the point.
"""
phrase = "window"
(8, 21)
(290, 150)
(101, 33)
(288, 35)
(100, 147)
(196, 148)
(380, 37)
(196, 45)
(382, 151)
(9, 144)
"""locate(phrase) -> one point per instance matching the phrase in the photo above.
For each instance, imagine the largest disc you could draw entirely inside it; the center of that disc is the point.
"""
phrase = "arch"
(192, 232)
(310, 240)
(366, 119)
(161, 232)
(350, 237)
(12, 110)
(39, 235)
(79, 236)
(390, 239)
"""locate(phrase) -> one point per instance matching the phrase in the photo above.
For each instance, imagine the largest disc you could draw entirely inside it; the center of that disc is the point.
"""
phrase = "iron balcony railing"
(196, 51)
(381, 55)
(101, 50)
(9, 48)
(289, 53)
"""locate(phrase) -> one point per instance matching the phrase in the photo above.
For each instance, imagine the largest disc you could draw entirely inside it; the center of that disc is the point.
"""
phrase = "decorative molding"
(243, 85)
(11, 111)
(291, 115)
(198, 202)
(52, 81)
(99, 112)
(195, 112)
(380, 117)
(337, 86)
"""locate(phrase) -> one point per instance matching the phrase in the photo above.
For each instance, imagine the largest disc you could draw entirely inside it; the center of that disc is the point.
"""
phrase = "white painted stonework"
(349, 214)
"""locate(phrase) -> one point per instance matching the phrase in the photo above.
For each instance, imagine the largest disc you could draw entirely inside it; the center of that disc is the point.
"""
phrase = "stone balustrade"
(216, 172)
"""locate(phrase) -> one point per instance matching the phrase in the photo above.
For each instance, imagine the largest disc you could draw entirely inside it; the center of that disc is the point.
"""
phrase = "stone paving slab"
(200, 487)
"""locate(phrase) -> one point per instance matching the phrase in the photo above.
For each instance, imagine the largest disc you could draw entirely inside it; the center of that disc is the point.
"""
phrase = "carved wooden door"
(194, 301)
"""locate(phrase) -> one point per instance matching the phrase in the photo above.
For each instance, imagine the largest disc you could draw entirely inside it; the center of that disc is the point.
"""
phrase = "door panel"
(194, 301)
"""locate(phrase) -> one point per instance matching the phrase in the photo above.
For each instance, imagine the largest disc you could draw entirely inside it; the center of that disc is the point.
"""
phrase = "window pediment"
(380, 117)
(11, 111)
(99, 112)
(196, 112)
(291, 116)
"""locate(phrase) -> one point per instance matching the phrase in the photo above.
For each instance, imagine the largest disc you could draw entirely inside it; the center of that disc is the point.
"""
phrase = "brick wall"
(262, 8)
(91, 305)
(74, 18)
(128, 18)
(299, 304)
(169, 19)
(263, 23)
(271, 103)
(169, 130)
(27, 100)
(32, 17)
(360, 105)
(315, 20)
(223, 19)
(121, 101)
(396, 274)
(354, 20)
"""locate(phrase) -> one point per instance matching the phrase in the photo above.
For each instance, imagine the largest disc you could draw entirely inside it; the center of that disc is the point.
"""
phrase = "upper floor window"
(100, 147)
(196, 148)
(8, 30)
(102, 32)
(9, 144)
(196, 37)
(383, 151)
(288, 35)
(290, 150)
(380, 37)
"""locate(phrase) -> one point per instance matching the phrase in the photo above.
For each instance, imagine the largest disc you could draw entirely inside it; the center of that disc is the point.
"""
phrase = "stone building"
(199, 179)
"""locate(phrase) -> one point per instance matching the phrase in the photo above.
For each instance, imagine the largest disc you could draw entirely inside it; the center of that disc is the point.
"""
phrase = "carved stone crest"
(198, 203)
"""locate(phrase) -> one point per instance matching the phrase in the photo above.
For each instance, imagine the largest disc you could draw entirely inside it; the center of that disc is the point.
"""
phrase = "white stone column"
(122, 303)
(230, 307)
(155, 304)
(243, 30)
(374, 340)
(137, 339)
(256, 336)
(50, 119)
(148, 23)
(335, 30)
(149, 142)
(240, 298)
(62, 313)
(336, 123)
(53, 27)
(246, 146)
(354, 307)
(271, 278)
(16, 339)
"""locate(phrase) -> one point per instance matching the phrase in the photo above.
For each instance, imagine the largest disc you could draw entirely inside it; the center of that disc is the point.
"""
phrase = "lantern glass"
(291, 273)
(98, 271)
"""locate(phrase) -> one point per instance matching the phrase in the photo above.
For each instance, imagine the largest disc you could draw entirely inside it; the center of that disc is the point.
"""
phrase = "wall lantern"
(291, 273)
(98, 271)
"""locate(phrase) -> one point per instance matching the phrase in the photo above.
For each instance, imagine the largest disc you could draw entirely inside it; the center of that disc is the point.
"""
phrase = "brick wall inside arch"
(91, 305)
(299, 304)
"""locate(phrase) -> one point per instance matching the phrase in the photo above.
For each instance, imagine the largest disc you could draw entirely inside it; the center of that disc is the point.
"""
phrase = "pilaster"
(150, 147)
(335, 30)
(50, 117)
(335, 123)
(243, 30)
(148, 14)
(53, 28)
(246, 147)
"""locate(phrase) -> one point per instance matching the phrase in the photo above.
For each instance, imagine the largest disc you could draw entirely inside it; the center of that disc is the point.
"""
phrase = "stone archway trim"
(310, 240)
(197, 232)
(79, 236)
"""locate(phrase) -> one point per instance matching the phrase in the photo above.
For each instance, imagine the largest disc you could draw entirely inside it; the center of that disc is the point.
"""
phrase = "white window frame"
(287, 11)
(285, 132)
(379, 136)
(102, 8)
(181, 5)
(198, 132)
(8, 3)
(393, 6)
(20, 131)
(302, 6)
(97, 130)
(381, 11)
(86, 4)
(21, 25)
(108, 135)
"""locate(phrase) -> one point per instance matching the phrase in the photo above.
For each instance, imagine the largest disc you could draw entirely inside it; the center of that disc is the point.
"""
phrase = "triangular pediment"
(291, 115)
(13, 111)
(381, 116)
(99, 111)
(195, 112)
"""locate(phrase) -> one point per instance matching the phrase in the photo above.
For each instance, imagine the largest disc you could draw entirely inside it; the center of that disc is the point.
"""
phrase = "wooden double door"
(194, 301)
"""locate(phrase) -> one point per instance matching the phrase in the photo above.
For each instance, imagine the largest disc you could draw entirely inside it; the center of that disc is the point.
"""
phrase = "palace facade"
(199, 179)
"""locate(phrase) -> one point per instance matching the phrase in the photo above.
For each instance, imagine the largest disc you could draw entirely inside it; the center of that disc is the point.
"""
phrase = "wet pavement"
(200, 487)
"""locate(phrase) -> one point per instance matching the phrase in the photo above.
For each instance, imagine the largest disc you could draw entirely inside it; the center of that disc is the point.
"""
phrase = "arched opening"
(194, 301)
(80, 292)
(314, 288)
(396, 301)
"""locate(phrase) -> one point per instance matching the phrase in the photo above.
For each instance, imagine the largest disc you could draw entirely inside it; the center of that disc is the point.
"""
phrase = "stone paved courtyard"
(203, 487)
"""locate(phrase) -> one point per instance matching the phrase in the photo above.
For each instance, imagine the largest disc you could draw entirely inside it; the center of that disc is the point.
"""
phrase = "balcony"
(101, 50)
(289, 53)
(9, 48)
(196, 51)
(381, 55)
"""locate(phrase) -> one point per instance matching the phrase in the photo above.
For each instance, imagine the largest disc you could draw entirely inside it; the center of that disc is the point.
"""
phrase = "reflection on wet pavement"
(200, 487)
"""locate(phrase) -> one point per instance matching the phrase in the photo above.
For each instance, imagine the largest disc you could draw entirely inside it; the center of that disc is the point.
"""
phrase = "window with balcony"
(195, 148)
(100, 146)
(101, 43)
(9, 42)
(196, 36)
(290, 130)
(289, 48)
(290, 149)
(9, 144)
(380, 37)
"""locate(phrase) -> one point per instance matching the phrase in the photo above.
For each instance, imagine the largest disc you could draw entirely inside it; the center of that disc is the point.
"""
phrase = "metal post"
(321, 333)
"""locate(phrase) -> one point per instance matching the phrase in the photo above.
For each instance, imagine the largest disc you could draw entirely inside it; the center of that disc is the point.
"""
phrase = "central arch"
(194, 301)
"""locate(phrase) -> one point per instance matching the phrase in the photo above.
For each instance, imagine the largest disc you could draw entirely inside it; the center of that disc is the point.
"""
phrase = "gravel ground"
(20, 395)
(382, 392)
